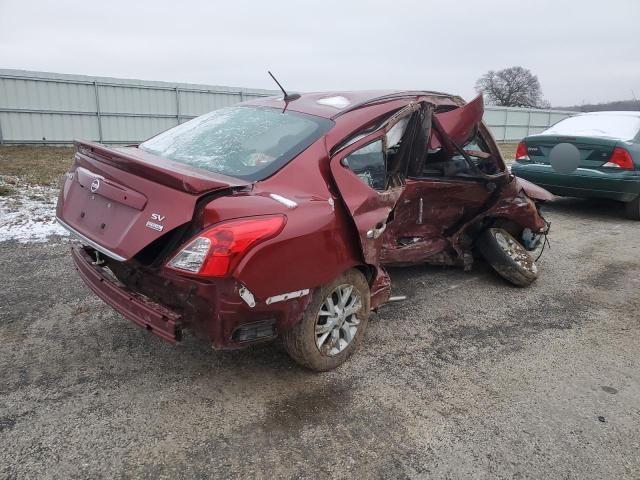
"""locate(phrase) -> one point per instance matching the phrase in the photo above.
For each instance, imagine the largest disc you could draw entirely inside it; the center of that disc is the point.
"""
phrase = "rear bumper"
(584, 183)
(211, 310)
(143, 312)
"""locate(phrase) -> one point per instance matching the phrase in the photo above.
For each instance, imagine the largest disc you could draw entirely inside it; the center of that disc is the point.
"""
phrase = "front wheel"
(333, 324)
(633, 208)
(507, 256)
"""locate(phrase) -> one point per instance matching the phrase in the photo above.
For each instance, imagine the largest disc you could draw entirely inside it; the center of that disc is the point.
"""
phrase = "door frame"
(368, 208)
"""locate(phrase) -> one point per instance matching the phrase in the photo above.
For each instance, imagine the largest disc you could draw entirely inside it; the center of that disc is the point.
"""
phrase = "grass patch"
(6, 190)
(35, 164)
(508, 151)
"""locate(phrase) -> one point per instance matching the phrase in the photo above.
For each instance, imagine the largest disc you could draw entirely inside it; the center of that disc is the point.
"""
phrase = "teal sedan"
(606, 161)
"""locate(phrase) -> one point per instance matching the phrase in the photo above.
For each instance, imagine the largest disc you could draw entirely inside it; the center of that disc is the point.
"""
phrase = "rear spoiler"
(166, 172)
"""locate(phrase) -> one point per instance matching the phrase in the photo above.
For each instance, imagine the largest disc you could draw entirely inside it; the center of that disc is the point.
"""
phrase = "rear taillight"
(217, 250)
(620, 158)
(521, 152)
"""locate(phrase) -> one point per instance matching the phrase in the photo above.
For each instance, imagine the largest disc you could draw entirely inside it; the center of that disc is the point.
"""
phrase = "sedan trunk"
(121, 200)
(594, 152)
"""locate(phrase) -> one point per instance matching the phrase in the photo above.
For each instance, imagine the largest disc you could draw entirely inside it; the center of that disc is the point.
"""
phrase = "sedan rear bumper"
(137, 308)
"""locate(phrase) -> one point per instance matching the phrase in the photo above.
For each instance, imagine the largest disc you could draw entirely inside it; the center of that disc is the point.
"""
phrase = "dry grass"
(6, 190)
(508, 151)
(34, 164)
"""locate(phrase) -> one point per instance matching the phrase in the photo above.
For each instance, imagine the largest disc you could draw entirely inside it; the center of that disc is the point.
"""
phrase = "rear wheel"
(333, 324)
(633, 209)
(507, 256)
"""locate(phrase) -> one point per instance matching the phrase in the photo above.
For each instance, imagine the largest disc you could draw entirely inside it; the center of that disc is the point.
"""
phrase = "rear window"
(245, 142)
(624, 127)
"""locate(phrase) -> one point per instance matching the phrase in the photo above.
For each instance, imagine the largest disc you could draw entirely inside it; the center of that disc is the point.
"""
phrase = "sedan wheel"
(633, 209)
(337, 322)
(507, 256)
(332, 325)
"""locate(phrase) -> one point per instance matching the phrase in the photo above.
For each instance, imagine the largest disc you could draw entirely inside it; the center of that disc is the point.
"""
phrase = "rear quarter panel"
(318, 241)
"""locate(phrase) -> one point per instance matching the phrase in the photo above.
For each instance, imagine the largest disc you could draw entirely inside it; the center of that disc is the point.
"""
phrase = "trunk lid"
(121, 200)
(594, 152)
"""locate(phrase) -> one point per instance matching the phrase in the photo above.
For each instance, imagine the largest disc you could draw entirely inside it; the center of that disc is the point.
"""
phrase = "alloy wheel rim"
(337, 323)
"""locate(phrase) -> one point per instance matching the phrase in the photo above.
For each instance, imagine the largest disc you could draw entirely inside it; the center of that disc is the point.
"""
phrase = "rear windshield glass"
(624, 127)
(245, 142)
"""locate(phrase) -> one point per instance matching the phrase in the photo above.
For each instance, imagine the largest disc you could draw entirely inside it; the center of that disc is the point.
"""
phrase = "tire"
(507, 257)
(633, 208)
(302, 340)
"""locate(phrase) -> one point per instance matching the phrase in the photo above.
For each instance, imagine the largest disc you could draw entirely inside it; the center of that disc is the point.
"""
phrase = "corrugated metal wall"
(510, 124)
(50, 108)
(37, 107)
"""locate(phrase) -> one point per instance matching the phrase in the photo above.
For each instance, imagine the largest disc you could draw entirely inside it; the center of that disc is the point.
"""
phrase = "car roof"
(622, 113)
(332, 104)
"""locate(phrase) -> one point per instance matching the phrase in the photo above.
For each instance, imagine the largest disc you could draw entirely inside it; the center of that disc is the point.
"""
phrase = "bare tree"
(512, 87)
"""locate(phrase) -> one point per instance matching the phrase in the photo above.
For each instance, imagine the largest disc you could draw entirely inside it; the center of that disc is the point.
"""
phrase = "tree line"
(519, 87)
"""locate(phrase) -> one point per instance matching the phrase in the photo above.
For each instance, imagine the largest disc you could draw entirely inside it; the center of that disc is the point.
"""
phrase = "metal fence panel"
(20, 127)
(127, 99)
(38, 107)
(18, 93)
(196, 103)
(509, 124)
(134, 129)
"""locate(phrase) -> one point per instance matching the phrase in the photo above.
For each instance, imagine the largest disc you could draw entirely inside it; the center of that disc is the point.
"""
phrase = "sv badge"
(155, 217)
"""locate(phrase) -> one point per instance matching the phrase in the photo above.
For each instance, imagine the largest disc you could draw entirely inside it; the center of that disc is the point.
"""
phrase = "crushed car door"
(460, 174)
(370, 175)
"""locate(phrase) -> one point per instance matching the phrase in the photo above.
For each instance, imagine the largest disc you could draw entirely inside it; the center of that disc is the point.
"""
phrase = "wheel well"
(369, 272)
(507, 224)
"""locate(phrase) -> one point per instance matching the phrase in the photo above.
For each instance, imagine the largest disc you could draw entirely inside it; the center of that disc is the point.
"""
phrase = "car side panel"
(613, 184)
(427, 209)
(318, 241)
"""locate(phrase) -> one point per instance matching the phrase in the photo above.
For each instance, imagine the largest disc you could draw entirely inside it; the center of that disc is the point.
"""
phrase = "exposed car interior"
(379, 164)
(382, 164)
(441, 162)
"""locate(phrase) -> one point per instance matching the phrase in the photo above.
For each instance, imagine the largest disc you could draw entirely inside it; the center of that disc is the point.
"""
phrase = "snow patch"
(338, 102)
(598, 124)
(30, 215)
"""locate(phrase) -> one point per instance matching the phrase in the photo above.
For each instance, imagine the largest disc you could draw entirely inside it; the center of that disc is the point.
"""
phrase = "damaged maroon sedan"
(275, 218)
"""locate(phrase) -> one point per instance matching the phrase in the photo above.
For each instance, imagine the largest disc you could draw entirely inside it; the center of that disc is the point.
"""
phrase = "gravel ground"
(467, 378)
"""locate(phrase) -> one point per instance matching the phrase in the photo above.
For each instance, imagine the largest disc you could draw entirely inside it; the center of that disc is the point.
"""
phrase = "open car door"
(370, 173)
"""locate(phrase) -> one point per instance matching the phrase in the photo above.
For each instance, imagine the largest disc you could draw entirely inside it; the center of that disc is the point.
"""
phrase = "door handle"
(376, 231)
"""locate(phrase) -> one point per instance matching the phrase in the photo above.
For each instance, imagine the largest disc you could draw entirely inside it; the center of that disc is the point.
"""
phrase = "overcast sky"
(583, 51)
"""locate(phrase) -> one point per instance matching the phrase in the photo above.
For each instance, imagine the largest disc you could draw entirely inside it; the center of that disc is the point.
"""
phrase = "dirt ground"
(469, 377)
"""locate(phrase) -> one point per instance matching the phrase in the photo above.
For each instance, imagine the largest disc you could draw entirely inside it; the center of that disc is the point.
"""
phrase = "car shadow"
(602, 209)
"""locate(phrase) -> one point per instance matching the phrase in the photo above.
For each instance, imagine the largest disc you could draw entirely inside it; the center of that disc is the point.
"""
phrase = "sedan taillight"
(521, 152)
(217, 250)
(620, 158)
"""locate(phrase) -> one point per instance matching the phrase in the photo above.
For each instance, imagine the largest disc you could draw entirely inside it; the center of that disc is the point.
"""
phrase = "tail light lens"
(521, 152)
(217, 250)
(620, 158)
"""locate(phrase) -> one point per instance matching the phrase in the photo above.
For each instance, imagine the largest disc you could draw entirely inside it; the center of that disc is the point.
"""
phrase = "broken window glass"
(244, 142)
(368, 164)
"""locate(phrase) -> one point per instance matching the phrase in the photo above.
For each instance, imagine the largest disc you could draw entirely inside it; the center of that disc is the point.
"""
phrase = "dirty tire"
(300, 341)
(507, 256)
(633, 208)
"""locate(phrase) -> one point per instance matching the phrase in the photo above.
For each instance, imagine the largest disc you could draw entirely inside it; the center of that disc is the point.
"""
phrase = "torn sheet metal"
(459, 124)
